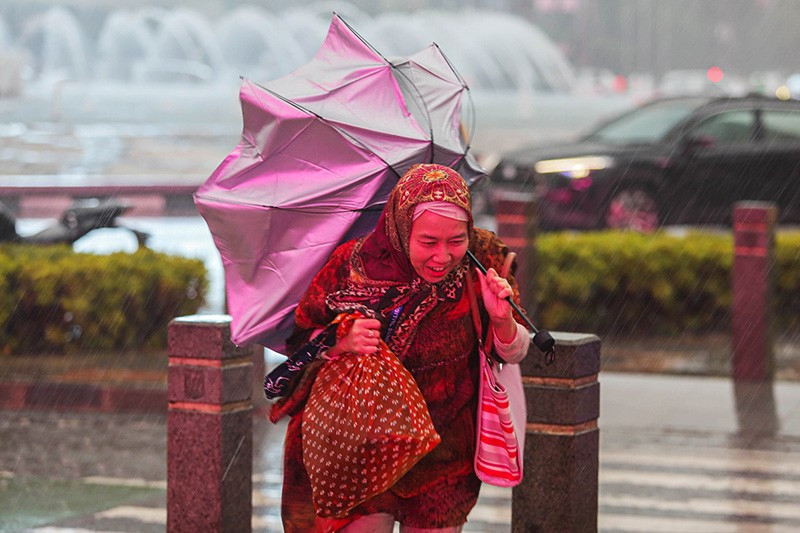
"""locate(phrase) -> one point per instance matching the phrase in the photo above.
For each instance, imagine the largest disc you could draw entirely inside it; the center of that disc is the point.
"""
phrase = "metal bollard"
(559, 488)
(209, 428)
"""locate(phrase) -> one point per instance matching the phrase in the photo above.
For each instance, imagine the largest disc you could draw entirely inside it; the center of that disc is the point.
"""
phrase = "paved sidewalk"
(658, 403)
(676, 455)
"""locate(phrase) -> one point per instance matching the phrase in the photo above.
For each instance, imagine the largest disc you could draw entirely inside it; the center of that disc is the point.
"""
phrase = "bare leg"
(409, 529)
(371, 523)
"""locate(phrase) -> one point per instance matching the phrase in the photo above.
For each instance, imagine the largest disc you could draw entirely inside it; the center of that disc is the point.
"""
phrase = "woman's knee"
(409, 529)
(371, 523)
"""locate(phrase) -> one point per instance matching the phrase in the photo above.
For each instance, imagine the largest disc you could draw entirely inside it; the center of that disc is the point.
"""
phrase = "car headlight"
(574, 167)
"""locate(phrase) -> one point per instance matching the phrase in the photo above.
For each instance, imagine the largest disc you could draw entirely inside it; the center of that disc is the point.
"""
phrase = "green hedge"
(629, 283)
(55, 300)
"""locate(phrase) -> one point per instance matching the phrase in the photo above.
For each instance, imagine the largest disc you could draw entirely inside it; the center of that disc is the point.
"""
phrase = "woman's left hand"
(494, 290)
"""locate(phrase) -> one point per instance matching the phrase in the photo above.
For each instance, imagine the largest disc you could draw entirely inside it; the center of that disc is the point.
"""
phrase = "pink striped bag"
(500, 434)
(500, 424)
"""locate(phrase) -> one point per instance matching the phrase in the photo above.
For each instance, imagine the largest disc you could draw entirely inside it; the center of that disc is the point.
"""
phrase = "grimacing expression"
(437, 245)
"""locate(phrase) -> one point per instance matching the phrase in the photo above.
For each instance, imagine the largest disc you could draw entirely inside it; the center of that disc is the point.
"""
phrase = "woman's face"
(437, 245)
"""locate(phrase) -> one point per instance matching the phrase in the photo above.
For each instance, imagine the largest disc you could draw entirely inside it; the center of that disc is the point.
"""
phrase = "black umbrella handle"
(541, 338)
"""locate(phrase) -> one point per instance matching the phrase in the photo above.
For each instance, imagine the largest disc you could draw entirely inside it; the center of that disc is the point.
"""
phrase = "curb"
(56, 396)
(91, 398)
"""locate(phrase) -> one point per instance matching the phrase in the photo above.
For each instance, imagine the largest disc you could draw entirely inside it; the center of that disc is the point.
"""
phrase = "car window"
(645, 125)
(780, 126)
(729, 127)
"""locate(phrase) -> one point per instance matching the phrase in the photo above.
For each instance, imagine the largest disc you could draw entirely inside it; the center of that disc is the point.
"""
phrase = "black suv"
(682, 160)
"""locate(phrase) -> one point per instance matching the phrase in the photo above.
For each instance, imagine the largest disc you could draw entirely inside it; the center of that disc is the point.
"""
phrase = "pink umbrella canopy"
(321, 149)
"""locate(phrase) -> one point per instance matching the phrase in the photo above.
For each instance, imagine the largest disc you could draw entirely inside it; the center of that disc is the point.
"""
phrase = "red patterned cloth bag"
(364, 426)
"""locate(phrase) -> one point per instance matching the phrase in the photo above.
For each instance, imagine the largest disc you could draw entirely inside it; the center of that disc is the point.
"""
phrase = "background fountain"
(182, 65)
(151, 94)
(492, 50)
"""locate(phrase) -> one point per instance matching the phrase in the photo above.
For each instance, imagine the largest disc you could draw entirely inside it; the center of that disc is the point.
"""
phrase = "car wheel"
(633, 209)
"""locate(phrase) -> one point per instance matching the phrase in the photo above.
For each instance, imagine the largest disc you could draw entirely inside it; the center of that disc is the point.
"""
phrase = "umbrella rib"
(329, 123)
(349, 27)
(367, 209)
(412, 85)
(473, 114)
(397, 71)
(421, 99)
(453, 68)
(468, 140)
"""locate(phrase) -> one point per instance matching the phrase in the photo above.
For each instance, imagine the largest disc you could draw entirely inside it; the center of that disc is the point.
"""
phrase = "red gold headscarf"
(385, 251)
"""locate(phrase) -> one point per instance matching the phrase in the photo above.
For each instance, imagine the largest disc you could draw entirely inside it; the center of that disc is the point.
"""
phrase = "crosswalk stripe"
(726, 460)
(268, 477)
(150, 515)
(51, 529)
(154, 515)
(730, 472)
(491, 514)
(122, 482)
(737, 507)
(699, 482)
(270, 523)
(490, 491)
(262, 499)
(501, 515)
(673, 524)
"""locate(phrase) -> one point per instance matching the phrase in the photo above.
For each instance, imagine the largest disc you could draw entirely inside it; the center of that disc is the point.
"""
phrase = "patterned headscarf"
(385, 251)
(382, 277)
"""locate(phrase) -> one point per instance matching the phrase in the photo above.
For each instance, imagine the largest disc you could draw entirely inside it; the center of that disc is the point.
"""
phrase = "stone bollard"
(751, 320)
(753, 246)
(209, 428)
(562, 442)
(517, 221)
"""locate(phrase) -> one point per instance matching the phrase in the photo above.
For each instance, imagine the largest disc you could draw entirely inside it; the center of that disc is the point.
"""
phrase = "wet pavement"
(677, 453)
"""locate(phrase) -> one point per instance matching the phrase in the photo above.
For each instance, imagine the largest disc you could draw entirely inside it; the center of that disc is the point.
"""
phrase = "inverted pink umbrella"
(321, 149)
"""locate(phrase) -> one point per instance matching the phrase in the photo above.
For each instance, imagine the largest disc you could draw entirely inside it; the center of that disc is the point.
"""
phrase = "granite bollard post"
(753, 242)
(559, 488)
(517, 221)
(209, 428)
(752, 316)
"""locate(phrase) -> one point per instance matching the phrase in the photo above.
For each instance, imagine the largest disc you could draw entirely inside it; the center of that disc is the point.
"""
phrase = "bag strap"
(393, 319)
(473, 306)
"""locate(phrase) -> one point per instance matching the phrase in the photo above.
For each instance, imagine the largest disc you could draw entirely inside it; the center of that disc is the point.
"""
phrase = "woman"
(410, 272)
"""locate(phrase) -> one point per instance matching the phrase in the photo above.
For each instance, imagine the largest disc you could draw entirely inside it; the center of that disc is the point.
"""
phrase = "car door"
(779, 137)
(718, 166)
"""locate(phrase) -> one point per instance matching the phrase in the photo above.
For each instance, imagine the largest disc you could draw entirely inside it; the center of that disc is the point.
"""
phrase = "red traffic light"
(715, 74)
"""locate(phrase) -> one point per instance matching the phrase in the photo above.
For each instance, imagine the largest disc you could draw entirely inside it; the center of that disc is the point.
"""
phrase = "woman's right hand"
(363, 338)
